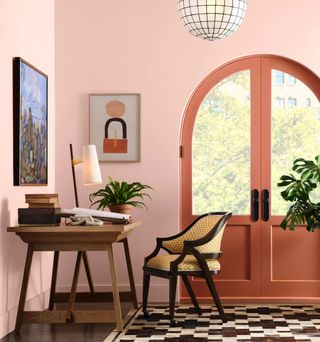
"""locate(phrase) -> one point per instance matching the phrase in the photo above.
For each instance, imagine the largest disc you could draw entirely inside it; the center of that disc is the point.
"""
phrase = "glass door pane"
(221, 148)
(295, 129)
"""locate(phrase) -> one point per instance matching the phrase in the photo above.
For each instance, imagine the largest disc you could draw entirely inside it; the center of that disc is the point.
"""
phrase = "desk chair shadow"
(192, 252)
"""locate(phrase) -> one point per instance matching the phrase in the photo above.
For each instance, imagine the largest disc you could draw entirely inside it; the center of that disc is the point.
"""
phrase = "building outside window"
(280, 102)
(291, 80)
(308, 102)
(279, 77)
(292, 102)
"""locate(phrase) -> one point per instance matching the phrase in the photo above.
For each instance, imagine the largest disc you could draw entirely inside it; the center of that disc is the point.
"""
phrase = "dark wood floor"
(64, 332)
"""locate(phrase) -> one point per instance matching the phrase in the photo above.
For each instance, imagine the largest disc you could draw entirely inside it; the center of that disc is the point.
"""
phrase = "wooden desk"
(75, 238)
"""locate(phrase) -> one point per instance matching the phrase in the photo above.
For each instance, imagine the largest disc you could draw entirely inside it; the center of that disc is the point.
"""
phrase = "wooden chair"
(192, 252)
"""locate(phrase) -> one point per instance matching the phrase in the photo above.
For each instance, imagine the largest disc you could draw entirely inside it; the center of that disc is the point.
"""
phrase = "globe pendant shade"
(212, 19)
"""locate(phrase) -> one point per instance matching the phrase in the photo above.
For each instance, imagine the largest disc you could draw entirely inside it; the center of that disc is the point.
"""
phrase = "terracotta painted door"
(243, 127)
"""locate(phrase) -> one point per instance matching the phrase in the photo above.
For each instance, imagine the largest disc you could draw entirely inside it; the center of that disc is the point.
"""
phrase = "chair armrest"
(157, 248)
(190, 246)
(200, 257)
(155, 251)
(188, 249)
(200, 242)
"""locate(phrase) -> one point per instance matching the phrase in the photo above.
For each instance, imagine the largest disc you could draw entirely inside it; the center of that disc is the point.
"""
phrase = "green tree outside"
(221, 147)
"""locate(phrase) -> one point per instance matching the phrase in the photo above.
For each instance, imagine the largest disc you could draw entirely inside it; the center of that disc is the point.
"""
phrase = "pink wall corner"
(27, 31)
(142, 47)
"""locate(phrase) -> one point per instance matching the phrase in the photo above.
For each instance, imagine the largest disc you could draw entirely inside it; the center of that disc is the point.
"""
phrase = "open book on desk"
(100, 214)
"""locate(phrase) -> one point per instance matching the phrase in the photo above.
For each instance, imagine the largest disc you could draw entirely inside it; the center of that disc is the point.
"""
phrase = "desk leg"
(88, 273)
(24, 288)
(74, 286)
(53, 279)
(130, 273)
(115, 290)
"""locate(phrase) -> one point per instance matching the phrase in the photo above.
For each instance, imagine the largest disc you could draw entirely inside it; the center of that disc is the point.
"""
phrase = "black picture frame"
(30, 124)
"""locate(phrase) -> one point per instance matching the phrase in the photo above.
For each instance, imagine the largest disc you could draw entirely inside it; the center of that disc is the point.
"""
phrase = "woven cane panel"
(200, 229)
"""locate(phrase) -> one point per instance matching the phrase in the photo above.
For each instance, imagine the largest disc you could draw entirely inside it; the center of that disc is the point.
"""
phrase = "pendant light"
(212, 19)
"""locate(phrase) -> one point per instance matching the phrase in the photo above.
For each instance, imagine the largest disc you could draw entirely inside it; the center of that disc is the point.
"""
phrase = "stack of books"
(43, 209)
(42, 200)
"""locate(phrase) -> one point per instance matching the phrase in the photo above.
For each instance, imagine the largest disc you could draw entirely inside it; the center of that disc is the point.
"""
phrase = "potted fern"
(299, 191)
(120, 197)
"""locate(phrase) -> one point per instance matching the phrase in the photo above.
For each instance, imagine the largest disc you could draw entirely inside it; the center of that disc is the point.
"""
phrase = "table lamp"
(91, 174)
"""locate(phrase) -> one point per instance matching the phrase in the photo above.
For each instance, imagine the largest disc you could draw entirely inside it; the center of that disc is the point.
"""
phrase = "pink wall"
(26, 30)
(141, 47)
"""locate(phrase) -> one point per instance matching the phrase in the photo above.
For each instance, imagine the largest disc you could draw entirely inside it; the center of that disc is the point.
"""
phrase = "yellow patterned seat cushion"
(189, 263)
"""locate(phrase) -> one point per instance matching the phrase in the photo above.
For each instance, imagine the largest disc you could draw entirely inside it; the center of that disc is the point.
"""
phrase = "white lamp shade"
(212, 19)
(91, 170)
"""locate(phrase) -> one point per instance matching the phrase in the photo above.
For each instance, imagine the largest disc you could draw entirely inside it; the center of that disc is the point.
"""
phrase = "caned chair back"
(198, 230)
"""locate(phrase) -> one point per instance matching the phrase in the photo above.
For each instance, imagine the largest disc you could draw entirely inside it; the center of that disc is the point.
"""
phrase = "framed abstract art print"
(30, 118)
(115, 126)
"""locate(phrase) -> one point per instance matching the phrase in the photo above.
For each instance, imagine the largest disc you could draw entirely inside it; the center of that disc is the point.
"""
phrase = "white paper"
(97, 213)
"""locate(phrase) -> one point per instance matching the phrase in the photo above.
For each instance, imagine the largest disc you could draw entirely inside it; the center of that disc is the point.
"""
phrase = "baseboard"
(4, 324)
(258, 300)
(157, 293)
(8, 320)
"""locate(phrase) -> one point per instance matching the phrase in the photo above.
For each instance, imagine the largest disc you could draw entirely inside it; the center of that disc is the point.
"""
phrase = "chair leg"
(215, 296)
(172, 297)
(191, 293)
(146, 283)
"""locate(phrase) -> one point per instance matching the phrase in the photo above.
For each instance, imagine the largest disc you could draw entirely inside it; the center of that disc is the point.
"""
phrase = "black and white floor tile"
(245, 323)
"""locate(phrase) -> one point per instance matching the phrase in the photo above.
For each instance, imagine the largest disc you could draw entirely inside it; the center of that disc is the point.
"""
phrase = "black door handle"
(265, 205)
(255, 205)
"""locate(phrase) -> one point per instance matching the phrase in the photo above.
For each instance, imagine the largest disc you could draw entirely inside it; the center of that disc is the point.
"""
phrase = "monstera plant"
(300, 191)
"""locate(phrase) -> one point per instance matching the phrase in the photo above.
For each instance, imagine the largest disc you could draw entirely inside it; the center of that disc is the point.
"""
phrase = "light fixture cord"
(74, 177)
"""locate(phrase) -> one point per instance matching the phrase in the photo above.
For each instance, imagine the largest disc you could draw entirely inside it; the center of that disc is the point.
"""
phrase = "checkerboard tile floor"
(245, 323)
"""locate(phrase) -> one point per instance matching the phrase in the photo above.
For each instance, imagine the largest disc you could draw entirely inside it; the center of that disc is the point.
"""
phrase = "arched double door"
(243, 127)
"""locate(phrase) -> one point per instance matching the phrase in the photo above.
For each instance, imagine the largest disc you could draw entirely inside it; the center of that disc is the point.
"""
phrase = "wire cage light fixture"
(212, 19)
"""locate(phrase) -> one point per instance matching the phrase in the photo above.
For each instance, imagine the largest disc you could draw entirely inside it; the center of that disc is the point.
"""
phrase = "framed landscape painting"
(30, 117)
(115, 126)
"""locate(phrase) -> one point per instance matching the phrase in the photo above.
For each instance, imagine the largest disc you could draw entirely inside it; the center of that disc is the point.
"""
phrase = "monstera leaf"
(302, 210)
(308, 169)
